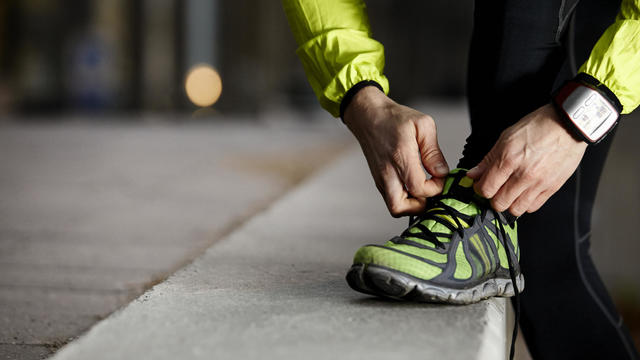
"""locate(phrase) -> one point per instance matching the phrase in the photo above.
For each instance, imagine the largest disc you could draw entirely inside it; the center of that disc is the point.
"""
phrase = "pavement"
(93, 213)
(93, 216)
(275, 289)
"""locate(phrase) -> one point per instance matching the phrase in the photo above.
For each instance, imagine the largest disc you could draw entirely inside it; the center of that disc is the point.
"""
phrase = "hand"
(397, 141)
(530, 162)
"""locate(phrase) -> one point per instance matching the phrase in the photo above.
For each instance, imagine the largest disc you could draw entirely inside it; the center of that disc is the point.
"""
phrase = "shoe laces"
(436, 202)
(516, 291)
(436, 208)
(512, 273)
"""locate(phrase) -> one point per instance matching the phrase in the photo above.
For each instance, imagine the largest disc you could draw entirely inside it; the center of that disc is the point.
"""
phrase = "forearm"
(615, 59)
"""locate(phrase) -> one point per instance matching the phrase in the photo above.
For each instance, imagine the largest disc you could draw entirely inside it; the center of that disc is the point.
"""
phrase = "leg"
(566, 310)
(515, 60)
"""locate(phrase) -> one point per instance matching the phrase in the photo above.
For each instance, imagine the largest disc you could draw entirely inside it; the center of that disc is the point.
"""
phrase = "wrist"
(561, 132)
(353, 91)
(558, 118)
(367, 99)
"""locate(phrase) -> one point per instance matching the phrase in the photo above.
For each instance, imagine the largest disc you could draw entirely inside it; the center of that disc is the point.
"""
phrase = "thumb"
(430, 153)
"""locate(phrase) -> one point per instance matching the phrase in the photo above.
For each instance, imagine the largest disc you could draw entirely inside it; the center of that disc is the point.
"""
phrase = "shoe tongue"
(457, 193)
(458, 185)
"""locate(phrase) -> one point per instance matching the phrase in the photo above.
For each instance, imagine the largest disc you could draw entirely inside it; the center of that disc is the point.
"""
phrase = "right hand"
(397, 141)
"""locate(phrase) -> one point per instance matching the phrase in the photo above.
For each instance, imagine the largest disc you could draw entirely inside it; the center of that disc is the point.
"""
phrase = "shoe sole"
(381, 281)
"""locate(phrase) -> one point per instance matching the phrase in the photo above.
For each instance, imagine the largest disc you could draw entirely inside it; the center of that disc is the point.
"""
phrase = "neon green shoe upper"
(455, 243)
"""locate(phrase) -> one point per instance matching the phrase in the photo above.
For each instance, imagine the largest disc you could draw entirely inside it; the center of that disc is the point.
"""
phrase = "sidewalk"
(275, 289)
(83, 231)
(93, 214)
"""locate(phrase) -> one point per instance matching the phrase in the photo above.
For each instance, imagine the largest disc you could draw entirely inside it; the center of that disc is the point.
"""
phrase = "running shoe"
(459, 250)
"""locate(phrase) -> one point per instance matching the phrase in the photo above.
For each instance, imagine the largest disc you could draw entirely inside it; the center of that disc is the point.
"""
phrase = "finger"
(477, 171)
(511, 190)
(409, 168)
(430, 153)
(496, 174)
(437, 184)
(524, 202)
(398, 200)
(540, 200)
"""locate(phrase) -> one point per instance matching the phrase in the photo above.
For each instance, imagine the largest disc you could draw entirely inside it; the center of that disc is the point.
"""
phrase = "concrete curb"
(275, 288)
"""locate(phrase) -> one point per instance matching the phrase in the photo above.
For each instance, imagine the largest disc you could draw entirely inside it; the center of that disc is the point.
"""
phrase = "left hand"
(530, 162)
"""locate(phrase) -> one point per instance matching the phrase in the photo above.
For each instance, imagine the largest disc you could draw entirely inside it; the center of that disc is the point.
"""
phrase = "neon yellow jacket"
(337, 51)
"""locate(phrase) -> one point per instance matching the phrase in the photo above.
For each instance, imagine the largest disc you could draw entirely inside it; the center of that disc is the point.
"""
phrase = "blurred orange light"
(203, 85)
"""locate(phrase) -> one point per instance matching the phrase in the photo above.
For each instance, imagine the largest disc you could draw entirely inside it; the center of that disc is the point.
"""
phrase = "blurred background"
(99, 126)
(123, 56)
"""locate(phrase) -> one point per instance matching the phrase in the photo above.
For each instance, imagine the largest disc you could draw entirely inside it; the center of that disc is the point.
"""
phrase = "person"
(540, 132)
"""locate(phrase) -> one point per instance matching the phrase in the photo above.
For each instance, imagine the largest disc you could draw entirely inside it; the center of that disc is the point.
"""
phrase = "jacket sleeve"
(335, 47)
(615, 59)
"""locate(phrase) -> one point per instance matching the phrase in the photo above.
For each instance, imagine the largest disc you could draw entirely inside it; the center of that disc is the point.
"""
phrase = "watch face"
(590, 112)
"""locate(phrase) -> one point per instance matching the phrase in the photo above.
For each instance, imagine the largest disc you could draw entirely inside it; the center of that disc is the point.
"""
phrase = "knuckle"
(489, 187)
(499, 204)
(490, 157)
(406, 128)
(486, 193)
(433, 190)
(483, 191)
(507, 162)
(534, 208)
(510, 137)
(538, 202)
(395, 213)
(517, 209)
(415, 189)
(397, 156)
(554, 189)
(430, 153)
(427, 120)
(506, 134)
(395, 209)
(510, 140)
(528, 175)
(545, 197)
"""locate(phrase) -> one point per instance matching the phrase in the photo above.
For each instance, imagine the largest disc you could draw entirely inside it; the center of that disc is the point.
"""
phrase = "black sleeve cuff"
(346, 100)
(594, 83)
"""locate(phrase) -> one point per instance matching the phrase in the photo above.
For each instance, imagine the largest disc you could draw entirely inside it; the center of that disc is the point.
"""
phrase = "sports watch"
(589, 109)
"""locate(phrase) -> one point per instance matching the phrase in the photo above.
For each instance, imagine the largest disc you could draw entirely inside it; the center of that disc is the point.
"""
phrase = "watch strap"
(595, 84)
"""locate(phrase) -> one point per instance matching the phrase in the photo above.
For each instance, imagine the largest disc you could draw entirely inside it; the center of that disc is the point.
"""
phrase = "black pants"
(518, 56)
